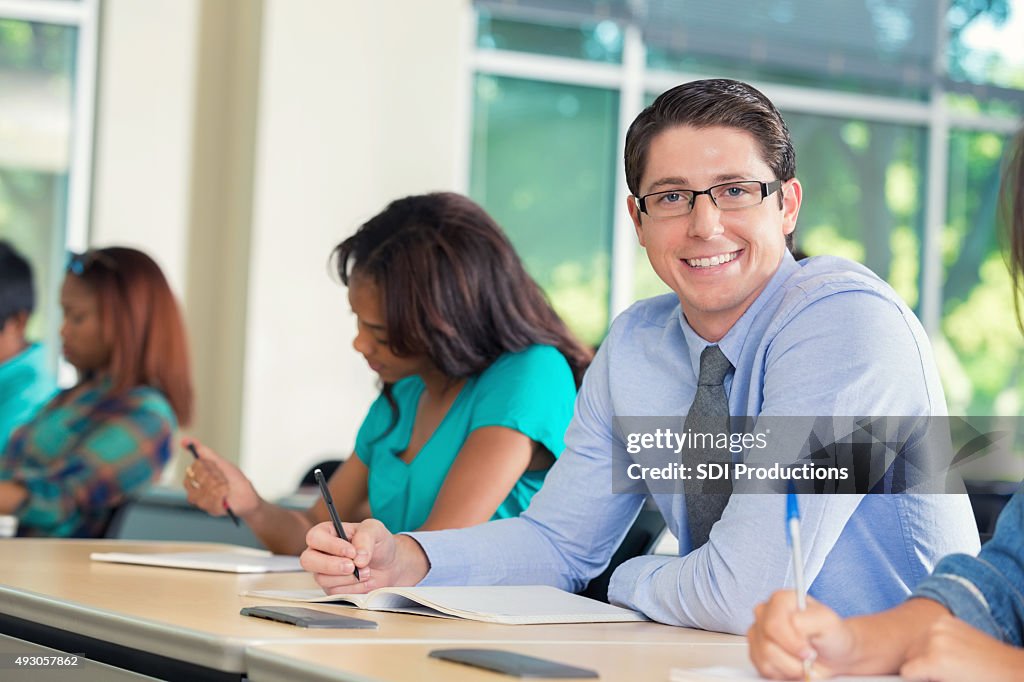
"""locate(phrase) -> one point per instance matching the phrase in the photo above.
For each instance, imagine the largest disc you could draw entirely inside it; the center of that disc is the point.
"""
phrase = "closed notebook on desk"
(504, 604)
(252, 561)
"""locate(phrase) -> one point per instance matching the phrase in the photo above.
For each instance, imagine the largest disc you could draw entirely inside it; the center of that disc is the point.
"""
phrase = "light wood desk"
(181, 624)
(164, 622)
(365, 662)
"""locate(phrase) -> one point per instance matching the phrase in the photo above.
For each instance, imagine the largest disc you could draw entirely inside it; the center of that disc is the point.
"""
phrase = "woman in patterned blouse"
(101, 441)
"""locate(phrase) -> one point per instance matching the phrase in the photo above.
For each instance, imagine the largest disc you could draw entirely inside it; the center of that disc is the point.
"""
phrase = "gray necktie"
(709, 413)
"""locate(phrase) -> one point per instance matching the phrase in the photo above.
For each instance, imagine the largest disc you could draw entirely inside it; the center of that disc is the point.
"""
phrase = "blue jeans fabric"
(987, 591)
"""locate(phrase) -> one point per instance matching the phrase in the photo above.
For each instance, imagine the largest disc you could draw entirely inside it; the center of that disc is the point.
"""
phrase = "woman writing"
(479, 376)
(104, 439)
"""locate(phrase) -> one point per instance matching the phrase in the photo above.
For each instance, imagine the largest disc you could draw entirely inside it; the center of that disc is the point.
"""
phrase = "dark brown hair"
(707, 103)
(141, 321)
(1011, 212)
(17, 293)
(453, 287)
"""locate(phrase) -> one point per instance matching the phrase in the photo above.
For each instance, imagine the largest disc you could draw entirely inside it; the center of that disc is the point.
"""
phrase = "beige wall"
(239, 141)
(144, 122)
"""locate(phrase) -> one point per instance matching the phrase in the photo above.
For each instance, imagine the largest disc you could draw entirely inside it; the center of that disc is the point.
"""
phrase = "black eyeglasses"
(728, 196)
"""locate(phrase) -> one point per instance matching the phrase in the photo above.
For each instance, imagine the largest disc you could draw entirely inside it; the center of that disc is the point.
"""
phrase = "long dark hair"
(142, 323)
(453, 287)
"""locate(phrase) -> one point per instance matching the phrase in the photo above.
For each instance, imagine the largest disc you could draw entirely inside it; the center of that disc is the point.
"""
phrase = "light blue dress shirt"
(825, 337)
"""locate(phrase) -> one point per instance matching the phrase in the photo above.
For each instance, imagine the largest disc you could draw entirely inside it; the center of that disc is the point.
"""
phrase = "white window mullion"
(936, 190)
(83, 121)
(631, 102)
(62, 12)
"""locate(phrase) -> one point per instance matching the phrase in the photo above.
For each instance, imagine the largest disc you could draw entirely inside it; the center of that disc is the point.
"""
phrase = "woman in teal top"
(531, 391)
(478, 379)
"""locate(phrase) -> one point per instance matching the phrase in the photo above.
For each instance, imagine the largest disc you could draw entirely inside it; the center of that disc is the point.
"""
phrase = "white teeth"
(712, 261)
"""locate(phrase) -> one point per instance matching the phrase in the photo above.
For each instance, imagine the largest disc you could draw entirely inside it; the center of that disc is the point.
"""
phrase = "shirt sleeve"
(572, 525)
(121, 454)
(987, 591)
(716, 586)
(531, 392)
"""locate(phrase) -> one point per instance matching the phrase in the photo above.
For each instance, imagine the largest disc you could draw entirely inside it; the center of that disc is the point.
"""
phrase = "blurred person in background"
(102, 441)
(26, 381)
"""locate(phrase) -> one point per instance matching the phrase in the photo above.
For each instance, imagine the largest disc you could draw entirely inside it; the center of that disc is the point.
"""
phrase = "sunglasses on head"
(79, 263)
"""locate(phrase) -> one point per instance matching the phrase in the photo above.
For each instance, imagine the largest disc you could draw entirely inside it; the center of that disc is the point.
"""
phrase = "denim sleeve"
(986, 591)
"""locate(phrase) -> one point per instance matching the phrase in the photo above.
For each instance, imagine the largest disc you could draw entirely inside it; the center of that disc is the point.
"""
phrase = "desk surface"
(409, 662)
(192, 616)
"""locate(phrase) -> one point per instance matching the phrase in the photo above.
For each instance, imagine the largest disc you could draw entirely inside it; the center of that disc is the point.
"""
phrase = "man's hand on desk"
(384, 560)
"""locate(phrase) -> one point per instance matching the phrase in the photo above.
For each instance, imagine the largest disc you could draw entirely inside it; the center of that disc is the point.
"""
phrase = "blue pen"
(793, 539)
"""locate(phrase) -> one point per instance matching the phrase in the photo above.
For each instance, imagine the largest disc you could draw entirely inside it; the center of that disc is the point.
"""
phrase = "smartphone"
(302, 617)
(511, 663)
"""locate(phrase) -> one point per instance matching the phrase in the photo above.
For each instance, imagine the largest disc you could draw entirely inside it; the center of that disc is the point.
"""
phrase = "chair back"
(640, 540)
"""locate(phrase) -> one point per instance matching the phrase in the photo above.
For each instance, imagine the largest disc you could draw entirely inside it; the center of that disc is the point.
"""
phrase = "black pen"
(329, 501)
(192, 448)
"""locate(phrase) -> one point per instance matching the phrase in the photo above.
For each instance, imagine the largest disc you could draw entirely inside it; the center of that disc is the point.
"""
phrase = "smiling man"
(747, 331)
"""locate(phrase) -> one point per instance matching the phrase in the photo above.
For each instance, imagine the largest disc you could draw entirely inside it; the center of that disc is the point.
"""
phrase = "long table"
(181, 624)
(410, 662)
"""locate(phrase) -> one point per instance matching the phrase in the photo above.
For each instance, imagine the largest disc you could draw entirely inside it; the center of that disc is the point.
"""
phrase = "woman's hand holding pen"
(782, 637)
(383, 559)
(211, 482)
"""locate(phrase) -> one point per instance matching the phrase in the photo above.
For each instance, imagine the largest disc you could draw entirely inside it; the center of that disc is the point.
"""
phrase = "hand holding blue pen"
(325, 492)
(793, 539)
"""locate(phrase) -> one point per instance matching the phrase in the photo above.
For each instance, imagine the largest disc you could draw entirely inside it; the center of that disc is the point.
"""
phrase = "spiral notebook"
(504, 604)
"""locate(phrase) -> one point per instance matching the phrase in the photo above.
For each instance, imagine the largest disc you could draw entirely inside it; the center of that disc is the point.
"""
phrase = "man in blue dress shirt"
(714, 200)
(26, 381)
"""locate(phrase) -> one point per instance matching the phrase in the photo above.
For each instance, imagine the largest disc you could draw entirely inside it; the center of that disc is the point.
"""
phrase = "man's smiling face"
(716, 261)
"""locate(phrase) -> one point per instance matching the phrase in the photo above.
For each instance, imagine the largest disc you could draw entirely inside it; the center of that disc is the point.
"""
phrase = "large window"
(558, 213)
(900, 163)
(46, 57)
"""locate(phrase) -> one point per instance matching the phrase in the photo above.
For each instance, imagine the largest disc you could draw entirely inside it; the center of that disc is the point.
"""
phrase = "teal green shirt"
(531, 391)
(26, 383)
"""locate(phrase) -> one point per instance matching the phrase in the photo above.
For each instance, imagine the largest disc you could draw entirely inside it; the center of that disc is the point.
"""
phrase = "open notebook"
(505, 604)
(253, 561)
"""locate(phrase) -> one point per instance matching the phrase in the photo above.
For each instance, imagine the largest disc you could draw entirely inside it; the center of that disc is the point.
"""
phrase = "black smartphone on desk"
(511, 663)
(302, 617)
